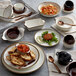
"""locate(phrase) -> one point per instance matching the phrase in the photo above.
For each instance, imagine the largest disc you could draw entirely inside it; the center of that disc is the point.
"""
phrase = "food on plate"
(21, 59)
(13, 33)
(48, 37)
(49, 9)
(23, 48)
(64, 58)
(19, 8)
(17, 61)
(68, 41)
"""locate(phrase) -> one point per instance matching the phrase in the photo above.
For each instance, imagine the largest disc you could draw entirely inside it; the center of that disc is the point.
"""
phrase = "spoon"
(62, 23)
(50, 58)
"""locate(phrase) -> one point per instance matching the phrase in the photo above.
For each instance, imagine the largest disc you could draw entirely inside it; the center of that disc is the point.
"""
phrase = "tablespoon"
(50, 58)
(62, 23)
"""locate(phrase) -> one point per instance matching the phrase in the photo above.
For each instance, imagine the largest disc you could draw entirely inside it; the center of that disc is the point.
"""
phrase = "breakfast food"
(19, 8)
(49, 10)
(49, 37)
(13, 33)
(64, 58)
(21, 59)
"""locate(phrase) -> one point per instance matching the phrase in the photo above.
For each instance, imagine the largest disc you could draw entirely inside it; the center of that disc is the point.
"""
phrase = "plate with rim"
(32, 48)
(49, 3)
(38, 37)
(33, 68)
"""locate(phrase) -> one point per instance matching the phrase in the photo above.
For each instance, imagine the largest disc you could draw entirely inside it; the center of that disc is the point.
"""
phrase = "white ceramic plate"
(39, 33)
(21, 34)
(65, 20)
(47, 3)
(30, 69)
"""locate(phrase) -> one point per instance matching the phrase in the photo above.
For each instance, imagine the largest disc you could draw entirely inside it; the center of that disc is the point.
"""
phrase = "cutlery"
(22, 16)
(62, 23)
(50, 58)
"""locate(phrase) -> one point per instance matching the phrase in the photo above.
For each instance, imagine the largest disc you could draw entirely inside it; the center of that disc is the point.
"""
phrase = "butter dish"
(34, 24)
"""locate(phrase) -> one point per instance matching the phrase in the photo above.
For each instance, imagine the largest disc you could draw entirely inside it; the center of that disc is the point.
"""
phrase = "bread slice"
(12, 50)
(17, 61)
(26, 57)
(32, 54)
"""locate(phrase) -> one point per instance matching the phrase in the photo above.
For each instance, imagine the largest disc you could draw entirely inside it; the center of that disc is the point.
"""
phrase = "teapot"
(64, 58)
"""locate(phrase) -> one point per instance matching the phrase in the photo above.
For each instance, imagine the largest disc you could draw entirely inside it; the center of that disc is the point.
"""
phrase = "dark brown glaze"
(68, 6)
(71, 69)
(69, 39)
(19, 12)
(13, 33)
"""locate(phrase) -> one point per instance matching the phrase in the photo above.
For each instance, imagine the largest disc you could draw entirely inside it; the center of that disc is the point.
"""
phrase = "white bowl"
(47, 3)
(21, 34)
(65, 20)
(34, 24)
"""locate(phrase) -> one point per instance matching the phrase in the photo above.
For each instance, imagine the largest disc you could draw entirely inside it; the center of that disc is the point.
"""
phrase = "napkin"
(72, 31)
(51, 67)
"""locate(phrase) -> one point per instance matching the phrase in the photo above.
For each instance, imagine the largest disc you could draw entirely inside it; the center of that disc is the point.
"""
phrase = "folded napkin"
(51, 67)
(72, 31)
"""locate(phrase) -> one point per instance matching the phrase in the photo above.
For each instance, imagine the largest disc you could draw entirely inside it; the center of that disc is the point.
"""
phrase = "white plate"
(64, 27)
(39, 33)
(30, 69)
(47, 3)
(21, 34)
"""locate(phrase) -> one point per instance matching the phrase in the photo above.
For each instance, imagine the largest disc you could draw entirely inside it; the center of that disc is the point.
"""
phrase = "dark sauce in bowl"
(69, 39)
(13, 33)
(69, 5)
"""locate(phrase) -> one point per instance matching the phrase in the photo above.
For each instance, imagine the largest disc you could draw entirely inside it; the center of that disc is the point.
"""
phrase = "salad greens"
(54, 39)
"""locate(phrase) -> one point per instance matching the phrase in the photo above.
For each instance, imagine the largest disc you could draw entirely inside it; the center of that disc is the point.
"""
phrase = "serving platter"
(14, 15)
(33, 68)
(39, 33)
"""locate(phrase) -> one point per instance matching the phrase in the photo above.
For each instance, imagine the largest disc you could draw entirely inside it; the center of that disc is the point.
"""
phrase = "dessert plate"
(39, 34)
(33, 68)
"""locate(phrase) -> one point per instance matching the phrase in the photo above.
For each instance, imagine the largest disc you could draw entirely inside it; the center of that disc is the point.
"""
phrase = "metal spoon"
(50, 58)
(62, 23)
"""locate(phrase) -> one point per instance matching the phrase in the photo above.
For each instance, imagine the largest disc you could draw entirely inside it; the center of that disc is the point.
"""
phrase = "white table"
(29, 36)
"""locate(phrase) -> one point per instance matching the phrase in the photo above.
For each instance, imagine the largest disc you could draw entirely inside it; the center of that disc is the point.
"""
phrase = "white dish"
(34, 24)
(21, 34)
(65, 20)
(47, 3)
(39, 33)
(32, 68)
(5, 8)
(13, 15)
(32, 48)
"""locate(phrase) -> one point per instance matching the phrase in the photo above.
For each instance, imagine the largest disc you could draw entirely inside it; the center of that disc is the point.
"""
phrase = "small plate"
(47, 3)
(65, 20)
(39, 33)
(32, 48)
(30, 69)
(21, 34)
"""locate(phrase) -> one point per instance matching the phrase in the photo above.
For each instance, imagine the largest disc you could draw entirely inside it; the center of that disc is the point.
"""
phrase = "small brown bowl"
(71, 69)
